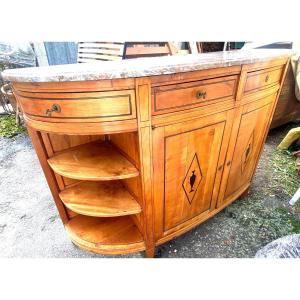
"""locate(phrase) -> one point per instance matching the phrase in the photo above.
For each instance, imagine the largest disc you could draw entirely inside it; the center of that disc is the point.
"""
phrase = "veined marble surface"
(140, 67)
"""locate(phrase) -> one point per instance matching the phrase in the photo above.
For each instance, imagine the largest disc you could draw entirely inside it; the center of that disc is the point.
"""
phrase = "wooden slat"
(93, 161)
(99, 56)
(100, 50)
(100, 45)
(93, 51)
(86, 60)
(100, 199)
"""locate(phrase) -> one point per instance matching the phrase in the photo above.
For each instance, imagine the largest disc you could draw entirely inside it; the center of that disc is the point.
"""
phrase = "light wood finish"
(79, 107)
(127, 143)
(105, 235)
(157, 81)
(61, 142)
(99, 51)
(262, 79)
(187, 172)
(183, 96)
(74, 86)
(104, 125)
(100, 199)
(143, 97)
(93, 161)
(83, 129)
(147, 49)
(50, 177)
(179, 161)
(56, 143)
(252, 127)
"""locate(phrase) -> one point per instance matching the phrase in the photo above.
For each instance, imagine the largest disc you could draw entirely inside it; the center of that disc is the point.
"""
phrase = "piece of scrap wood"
(295, 198)
(292, 136)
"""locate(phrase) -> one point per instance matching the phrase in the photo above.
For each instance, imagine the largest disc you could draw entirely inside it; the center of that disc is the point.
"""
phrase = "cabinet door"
(187, 158)
(247, 145)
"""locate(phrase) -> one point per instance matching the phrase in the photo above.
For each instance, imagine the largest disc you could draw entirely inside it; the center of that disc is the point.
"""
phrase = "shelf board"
(100, 199)
(93, 161)
(105, 235)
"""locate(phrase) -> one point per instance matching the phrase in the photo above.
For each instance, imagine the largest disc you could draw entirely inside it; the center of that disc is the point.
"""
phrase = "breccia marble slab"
(140, 67)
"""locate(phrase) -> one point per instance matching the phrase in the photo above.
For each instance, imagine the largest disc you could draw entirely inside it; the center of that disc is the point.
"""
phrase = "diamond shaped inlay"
(192, 179)
(247, 153)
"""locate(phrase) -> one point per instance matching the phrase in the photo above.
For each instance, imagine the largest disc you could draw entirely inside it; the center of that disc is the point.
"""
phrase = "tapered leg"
(150, 252)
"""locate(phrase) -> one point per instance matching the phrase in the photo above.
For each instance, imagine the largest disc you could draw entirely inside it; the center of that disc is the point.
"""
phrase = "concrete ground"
(30, 226)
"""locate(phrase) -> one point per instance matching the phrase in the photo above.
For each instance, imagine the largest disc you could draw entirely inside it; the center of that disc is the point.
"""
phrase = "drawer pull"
(54, 108)
(201, 94)
(267, 78)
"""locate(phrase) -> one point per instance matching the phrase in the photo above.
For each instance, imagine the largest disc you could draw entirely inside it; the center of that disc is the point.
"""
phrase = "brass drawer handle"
(201, 94)
(267, 78)
(54, 108)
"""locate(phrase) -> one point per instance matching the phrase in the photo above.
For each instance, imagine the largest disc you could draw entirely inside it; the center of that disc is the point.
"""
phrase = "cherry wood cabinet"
(252, 127)
(132, 163)
(188, 158)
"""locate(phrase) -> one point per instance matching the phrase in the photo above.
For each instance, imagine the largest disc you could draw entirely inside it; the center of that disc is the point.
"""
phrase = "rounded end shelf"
(93, 161)
(105, 235)
(100, 199)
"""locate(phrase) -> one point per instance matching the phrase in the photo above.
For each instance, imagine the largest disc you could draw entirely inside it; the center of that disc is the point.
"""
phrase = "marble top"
(140, 67)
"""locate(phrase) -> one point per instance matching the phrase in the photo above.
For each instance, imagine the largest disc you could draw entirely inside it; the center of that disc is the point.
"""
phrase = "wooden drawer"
(78, 106)
(262, 79)
(185, 96)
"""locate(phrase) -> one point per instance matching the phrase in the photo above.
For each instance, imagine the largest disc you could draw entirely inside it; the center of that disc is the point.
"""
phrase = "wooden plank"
(143, 98)
(100, 199)
(100, 45)
(75, 86)
(88, 128)
(135, 51)
(100, 50)
(99, 56)
(105, 235)
(93, 161)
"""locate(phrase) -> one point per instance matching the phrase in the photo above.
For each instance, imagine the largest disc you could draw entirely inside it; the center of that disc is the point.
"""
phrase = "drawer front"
(185, 96)
(262, 79)
(78, 107)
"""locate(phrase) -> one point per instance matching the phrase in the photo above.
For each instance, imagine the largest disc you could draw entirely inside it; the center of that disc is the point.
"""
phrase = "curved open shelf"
(93, 161)
(105, 235)
(100, 199)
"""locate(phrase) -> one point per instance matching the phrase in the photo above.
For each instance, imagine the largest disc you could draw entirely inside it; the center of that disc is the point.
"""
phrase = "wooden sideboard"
(135, 162)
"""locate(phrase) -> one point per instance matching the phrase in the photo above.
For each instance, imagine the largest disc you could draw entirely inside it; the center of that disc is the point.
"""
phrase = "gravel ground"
(30, 226)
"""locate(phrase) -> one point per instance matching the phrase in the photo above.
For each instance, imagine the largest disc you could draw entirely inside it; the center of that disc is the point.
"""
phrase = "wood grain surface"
(105, 235)
(100, 199)
(93, 161)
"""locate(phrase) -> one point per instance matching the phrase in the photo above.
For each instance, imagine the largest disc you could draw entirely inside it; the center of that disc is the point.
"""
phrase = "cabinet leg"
(150, 252)
(245, 194)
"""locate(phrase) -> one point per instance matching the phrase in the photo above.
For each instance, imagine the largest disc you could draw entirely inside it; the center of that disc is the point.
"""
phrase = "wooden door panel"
(191, 160)
(252, 129)
(188, 159)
